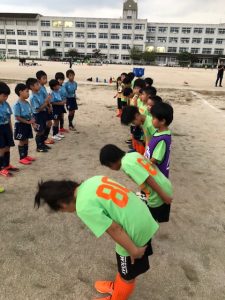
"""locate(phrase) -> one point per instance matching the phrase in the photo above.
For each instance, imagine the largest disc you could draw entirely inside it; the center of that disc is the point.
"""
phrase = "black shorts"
(64, 110)
(123, 104)
(71, 104)
(22, 132)
(162, 213)
(40, 120)
(57, 111)
(49, 116)
(6, 136)
(119, 104)
(130, 271)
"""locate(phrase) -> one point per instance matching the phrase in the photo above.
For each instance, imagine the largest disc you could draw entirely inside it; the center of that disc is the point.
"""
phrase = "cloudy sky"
(205, 11)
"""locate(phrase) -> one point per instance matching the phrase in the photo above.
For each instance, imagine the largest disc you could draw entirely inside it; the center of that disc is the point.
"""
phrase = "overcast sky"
(192, 11)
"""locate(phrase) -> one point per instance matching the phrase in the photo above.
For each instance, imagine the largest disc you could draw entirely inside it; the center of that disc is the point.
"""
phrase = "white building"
(29, 35)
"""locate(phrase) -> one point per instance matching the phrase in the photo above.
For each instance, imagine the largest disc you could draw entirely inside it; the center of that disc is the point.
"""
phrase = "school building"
(29, 35)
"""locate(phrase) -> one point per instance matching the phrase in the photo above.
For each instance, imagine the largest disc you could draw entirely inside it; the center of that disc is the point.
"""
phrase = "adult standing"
(220, 74)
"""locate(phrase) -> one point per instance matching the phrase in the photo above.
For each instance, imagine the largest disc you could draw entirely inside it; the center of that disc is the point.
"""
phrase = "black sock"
(55, 130)
(22, 151)
(26, 149)
(61, 122)
(70, 118)
(46, 132)
(1, 162)
(6, 159)
(38, 140)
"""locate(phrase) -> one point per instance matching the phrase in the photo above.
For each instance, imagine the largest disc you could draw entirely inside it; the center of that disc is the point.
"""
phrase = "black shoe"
(46, 147)
(220, 86)
(42, 150)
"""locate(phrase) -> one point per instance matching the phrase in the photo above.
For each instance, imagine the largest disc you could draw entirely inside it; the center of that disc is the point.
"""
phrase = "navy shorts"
(71, 104)
(64, 110)
(57, 111)
(6, 136)
(40, 120)
(23, 131)
(129, 271)
(49, 116)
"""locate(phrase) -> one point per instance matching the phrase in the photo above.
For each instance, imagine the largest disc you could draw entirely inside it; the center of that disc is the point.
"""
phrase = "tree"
(50, 53)
(135, 54)
(97, 53)
(149, 56)
(73, 53)
(186, 58)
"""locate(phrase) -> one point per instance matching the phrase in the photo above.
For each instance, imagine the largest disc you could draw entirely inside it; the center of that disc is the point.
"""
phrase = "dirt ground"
(52, 256)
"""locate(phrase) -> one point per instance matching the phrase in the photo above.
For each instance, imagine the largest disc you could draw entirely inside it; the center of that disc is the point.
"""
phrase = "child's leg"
(6, 161)
(71, 117)
(2, 153)
(21, 149)
(61, 121)
(47, 129)
(55, 127)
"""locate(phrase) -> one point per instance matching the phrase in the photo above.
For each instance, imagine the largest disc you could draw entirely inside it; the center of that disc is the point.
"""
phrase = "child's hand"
(138, 253)
(168, 200)
(32, 121)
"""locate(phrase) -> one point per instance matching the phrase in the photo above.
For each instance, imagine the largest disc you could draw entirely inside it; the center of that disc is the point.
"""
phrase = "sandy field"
(52, 256)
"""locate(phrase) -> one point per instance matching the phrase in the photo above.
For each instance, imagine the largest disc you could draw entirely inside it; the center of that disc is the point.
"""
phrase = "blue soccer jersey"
(5, 113)
(22, 109)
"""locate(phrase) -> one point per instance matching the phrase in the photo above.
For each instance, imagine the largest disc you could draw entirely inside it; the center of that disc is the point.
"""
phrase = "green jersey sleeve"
(159, 151)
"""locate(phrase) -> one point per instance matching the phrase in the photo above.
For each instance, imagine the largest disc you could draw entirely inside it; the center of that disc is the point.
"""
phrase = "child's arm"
(45, 104)
(154, 161)
(120, 236)
(22, 120)
(152, 183)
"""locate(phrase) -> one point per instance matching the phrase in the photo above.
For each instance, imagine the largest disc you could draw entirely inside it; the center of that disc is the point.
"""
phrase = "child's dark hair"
(59, 76)
(19, 88)
(139, 83)
(53, 83)
(152, 91)
(30, 82)
(110, 154)
(131, 76)
(163, 111)
(55, 193)
(149, 81)
(4, 89)
(127, 92)
(70, 71)
(40, 74)
(129, 114)
(127, 80)
(124, 74)
(156, 99)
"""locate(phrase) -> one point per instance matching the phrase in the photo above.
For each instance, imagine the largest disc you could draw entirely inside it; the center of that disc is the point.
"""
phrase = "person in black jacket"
(220, 73)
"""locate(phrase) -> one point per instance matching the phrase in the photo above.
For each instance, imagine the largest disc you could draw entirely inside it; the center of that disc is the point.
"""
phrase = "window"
(11, 42)
(162, 39)
(114, 56)
(206, 51)
(68, 24)
(68, 44)
(198, 30)
(32, 32)
(218, 51)
(57, 33)
(183, 49)
(91, 25)
(125, 47)
(10, 22)
(103, 25)
(33, 43)
(68, 34)
(115, 36)
(174, 29)
(221, 30)
(34, 53)
(173, 40)
(102, 46)
(12, 52)
(160, 49)
(172, 49)
(32, 23)
(46, 44)
(2, 31)
(139, 27)
(45, 23)
(91, 45)
(57, 23)
(91, 35)
(127, 26)
(21, 32)
(57, 44)
(2, 42)
(80, 35)
(10, 32)
(151, 29)
(23, 52)
(195, 50)
(208, 41)
(219, 41)
(126, 36)
(80, 25)
(103, 35)
(2, 51)
(21, 23)
(186, 29)
(196, 41)
(125, 57)
(80, 45)
(162, 29)
(210, 30)
(185, 40)
(115, 26)
(22, 42)
(115, 46)
(139, 47)
(138, 37)
(46, 33)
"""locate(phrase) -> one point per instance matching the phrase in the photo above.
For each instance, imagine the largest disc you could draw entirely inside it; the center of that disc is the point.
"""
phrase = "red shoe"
(64, 130)
(11, 168)
(30, 158)
(49, 142)
(105, 298)
(104, 287)
(5, 173)
(24, 161)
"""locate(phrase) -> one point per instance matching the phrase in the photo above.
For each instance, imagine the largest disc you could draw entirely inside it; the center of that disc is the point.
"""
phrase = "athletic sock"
(26, 147)
(122, 289)
(61, 122)
(6, 159)
(46, 132)
(22, 152)
(55, 130)
(38, 140)
(70, 119)
(1, 162)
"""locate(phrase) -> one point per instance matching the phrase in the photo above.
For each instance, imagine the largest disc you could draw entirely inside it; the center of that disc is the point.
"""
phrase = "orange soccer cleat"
(104, 287)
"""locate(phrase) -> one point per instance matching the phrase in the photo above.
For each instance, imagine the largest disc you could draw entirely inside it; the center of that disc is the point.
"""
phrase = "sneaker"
(12, 168)
(42, 150)
(105, 298)
(30, 158)
(6, 173)
(61, 136)
(64, 130)
(71, 128)
(104, 287)
(46, 147)
(24, 161)
(56, 138)
(49, 142)
(2, 189)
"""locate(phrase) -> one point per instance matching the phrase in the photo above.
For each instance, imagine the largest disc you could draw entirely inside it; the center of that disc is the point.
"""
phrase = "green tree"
(50, 53)
(135, 54)
(149, 56)
(186, 58)
(73, 53)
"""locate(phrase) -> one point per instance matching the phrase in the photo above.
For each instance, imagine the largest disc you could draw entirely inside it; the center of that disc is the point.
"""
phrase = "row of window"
(14, 52)
(19, 32)
(187, 30)
(195, 50)
(185, 40)
(20, 42)
(20, 23)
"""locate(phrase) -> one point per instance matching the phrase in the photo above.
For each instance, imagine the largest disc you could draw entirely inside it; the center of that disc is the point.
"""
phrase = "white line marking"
(206, 102)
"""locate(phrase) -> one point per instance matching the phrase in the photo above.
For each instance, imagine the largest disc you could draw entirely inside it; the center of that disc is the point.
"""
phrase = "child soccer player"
(23, 120)
(71, 104)
(127, 96)
(152, 101)
(158, 149)
(39, 106)
(148, 81)
(42, 79)
(60, 77)
(152, 182)
(58, 108)
(106, 206)
(6, 133)
(118, 96)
